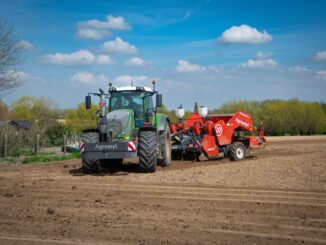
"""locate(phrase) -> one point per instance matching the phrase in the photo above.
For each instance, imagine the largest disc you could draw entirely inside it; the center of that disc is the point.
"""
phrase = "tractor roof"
(130, 88)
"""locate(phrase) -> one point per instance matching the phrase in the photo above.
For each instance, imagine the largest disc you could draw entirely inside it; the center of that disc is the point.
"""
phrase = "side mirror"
(88, 102)
(159, 102)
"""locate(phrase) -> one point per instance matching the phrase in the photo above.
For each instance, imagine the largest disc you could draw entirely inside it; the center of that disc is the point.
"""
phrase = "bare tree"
(10, 57)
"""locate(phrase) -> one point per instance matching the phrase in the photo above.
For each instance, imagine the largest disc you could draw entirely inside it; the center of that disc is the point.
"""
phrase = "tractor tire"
(87, 167)
(91, 168)
(237, 151)
(165, 142)
(147, 151)
(91, 137)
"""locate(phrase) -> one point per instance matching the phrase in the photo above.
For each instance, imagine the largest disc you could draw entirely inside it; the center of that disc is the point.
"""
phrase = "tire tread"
(233, 151)
(147, 151)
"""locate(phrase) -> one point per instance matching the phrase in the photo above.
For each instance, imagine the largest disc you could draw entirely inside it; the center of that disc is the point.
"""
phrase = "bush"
(17, 152)
(54, 135)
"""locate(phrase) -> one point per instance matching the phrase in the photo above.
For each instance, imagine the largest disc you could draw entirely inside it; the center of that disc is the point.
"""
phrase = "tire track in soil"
(100, 209)
(253, 226)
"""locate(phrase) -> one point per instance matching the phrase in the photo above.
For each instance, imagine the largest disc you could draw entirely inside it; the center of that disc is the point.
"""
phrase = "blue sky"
(206, 51)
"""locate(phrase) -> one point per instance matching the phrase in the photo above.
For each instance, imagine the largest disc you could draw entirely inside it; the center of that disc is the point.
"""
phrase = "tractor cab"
(137, 99)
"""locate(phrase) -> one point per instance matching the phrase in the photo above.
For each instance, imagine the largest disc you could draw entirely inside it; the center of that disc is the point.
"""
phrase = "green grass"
(10, 160)
(50, 158)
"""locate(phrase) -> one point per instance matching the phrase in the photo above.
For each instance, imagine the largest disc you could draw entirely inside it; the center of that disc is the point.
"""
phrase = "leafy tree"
(281, 117)
(34, 109)
(54, 134)
(323, 106)
(170, 114)
(4, 111)
(248, 106)
(81, 118)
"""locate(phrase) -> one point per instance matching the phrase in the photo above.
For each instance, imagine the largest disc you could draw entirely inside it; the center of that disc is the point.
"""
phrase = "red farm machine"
(214, 136)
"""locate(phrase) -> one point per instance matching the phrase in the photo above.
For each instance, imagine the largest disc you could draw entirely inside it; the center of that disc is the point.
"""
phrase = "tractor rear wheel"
(165, 142)
(237, 151)
(90, 167)
(147, 151)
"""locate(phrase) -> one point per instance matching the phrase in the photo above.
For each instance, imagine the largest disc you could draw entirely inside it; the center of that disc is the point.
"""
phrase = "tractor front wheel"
(237, 151)
(147, 151)
(90, 167)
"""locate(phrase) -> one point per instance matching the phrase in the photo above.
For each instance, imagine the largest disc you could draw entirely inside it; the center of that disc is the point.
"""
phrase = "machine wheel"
(237, 151)
(91, 137)
(165, 142)
(90, 167)
(147, 151)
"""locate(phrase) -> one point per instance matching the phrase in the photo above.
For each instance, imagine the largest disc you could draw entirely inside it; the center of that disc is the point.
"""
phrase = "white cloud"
(26, 45)
(103, 59)
(320, 56)
(260, 64)
(96, 29)
(263, 55)
(88, 78)
(244, 34)
(81, 57)
(23, 76)
(91, 34)
(321, 75)
(185, 66)
(119, 46)
(111, 22)
(126, 79)
(298, 69)
(135, 61)
(261, 61)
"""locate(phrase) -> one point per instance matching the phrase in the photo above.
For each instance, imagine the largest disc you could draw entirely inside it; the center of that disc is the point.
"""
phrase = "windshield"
(127, 100)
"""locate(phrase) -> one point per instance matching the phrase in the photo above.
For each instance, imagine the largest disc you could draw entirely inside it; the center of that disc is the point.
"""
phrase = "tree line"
(280, 117)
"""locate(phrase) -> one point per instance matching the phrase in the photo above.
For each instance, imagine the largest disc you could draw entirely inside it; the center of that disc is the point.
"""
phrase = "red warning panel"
(209, 146)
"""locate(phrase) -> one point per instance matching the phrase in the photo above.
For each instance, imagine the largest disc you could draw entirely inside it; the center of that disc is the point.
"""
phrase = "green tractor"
(129, 127)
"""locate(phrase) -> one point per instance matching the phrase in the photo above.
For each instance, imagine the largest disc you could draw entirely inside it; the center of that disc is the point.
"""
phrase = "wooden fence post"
(5, 146)
(74, 138)
(65, 144)
(37, 147)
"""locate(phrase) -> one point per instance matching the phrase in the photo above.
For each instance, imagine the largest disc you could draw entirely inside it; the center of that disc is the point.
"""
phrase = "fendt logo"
(218, 129)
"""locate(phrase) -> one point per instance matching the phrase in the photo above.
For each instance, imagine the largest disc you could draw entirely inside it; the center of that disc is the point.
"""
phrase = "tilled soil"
(277, 196)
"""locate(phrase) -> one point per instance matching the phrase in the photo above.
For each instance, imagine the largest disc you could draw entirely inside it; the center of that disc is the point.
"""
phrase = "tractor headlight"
(123, 135)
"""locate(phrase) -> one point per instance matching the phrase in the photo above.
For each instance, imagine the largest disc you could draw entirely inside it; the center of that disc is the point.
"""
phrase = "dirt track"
(278, 197)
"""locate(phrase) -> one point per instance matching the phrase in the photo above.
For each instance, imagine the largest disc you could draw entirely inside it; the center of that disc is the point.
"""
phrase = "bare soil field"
(277, 196)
